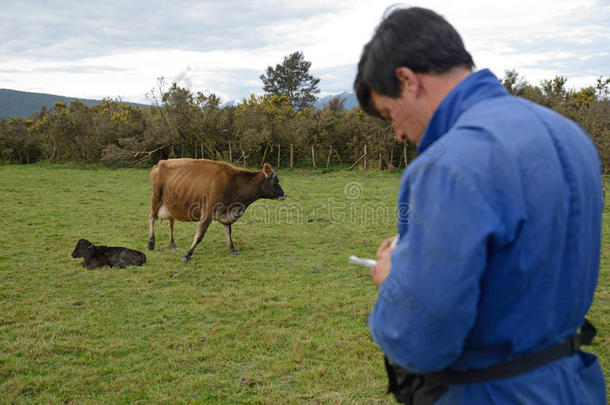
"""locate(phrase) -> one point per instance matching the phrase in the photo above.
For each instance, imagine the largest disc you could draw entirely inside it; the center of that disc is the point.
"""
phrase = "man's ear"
(408, 79)
(267, 169)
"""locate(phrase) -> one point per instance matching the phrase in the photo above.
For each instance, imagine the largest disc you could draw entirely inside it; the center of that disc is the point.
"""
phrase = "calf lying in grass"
(100, 256)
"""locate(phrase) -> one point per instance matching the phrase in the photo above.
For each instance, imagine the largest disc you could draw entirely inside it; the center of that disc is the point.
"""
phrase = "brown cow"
(204, 190)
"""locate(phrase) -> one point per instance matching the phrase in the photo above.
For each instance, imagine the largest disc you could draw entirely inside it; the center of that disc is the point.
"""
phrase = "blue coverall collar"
(474, 88)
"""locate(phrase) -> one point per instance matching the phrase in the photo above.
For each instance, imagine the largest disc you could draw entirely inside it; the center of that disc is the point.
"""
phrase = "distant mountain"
(350, 100)
(230, 103)
(22, 104)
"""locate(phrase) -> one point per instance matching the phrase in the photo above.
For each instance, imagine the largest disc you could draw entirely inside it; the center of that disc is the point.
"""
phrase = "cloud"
(75, 69)
(539, 39)
(111, 47)
(59, 29)
(227, 83)
(337, 78)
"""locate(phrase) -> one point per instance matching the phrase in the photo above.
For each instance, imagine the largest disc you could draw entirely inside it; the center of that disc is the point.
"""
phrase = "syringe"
(362, 262)
(368, 262)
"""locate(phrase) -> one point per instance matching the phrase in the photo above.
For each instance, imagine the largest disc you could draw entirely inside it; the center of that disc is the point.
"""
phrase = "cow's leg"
(151, 233)
(229, 240)
(201, 228)
(152, 216)
(172, 243)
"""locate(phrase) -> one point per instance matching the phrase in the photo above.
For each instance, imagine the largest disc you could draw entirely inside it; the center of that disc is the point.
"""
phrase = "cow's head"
(271, 185)
(83, 248)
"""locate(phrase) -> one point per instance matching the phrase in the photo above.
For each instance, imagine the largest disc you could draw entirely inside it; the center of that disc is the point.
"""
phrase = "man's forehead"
(382, 104)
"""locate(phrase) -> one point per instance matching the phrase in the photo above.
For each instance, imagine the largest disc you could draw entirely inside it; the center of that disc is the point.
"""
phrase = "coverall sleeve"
(428, 302)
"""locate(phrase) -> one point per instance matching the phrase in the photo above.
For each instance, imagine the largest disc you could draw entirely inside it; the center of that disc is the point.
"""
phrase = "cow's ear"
(267, 169)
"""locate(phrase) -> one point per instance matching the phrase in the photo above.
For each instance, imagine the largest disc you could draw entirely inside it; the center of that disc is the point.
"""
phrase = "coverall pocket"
(592, 379)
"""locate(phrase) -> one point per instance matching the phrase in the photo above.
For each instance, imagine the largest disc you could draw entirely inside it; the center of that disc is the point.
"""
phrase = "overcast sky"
(118, 48)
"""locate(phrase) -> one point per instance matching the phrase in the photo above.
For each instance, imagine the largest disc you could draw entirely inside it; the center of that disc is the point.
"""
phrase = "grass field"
(283, 322)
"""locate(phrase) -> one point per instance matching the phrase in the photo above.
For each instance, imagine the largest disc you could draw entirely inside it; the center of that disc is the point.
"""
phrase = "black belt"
(518, 366)
(412, 388)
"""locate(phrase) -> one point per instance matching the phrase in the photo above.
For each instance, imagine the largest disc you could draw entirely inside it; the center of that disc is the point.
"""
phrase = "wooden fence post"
(404, 152)
(264, 154)
(365, 158)
(230, 154)
(330, 151)
(291, 155)
(313, 158)
(339, 157)
(278, 156)
(357, 161)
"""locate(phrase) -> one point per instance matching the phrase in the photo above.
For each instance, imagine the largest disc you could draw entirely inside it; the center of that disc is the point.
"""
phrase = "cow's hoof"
(151, 245)
(185, 259)
(235, 252)
(172, 246)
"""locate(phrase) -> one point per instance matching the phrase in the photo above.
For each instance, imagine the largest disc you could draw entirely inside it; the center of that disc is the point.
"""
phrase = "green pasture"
(282, 323)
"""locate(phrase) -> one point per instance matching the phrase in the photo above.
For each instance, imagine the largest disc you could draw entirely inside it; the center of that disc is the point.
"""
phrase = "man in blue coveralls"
(481, 299)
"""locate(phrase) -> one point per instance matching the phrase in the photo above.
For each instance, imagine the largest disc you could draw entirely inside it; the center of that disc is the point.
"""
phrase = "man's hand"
(386, 244)
(384, 261)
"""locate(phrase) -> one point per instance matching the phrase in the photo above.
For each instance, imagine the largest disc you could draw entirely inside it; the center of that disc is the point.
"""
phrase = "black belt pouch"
(409, 388)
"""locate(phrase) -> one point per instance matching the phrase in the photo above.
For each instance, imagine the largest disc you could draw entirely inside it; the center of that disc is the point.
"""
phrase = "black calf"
(100, 256)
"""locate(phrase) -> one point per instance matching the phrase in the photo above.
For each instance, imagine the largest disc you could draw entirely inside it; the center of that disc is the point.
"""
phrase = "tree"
(209, 131)
(292, 79)
(514, 83)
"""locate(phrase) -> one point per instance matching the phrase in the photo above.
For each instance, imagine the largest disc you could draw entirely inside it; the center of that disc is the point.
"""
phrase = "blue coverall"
(500, 226)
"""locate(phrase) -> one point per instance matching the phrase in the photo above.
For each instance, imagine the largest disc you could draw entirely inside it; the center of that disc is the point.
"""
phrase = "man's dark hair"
(414, 37)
